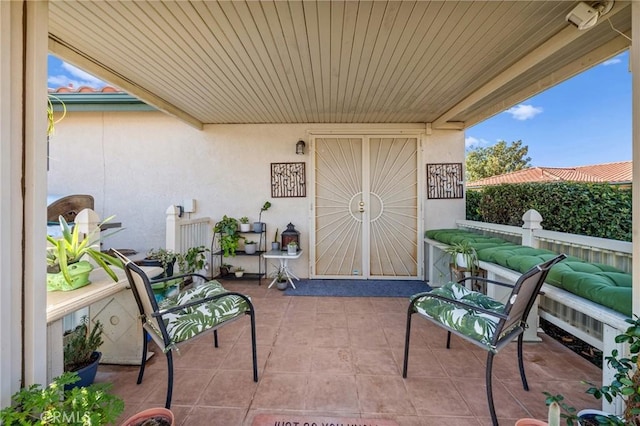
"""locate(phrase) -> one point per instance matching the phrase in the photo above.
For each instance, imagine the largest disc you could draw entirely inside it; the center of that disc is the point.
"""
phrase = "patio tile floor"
(342, 357)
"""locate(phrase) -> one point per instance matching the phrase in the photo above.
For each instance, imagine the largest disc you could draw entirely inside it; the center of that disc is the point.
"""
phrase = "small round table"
(283, 257)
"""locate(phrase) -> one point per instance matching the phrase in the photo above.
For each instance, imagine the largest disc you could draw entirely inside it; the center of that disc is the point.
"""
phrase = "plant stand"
(458, 273)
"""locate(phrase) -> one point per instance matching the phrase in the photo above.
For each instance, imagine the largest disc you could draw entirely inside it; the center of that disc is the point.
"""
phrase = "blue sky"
(585, 120)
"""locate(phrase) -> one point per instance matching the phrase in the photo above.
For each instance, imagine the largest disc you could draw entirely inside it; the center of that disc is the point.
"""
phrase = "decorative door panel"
(365, 207)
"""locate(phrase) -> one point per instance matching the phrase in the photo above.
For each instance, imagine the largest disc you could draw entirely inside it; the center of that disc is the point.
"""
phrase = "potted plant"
(157, 416)
(292, 248)
(625, 384)
(160, 257)
(553, 418)
(239, 271)
(81, 351)
(225, 269)
(257, 226)
(66, 267)
(250, 247)
(281, 279)
(59, 404)
(227, 227)
(275, 244)
(463, 255)
(193, 260)
(244, 224)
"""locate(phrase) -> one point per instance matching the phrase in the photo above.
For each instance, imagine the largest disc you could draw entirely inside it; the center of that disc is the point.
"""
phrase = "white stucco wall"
(136, 164)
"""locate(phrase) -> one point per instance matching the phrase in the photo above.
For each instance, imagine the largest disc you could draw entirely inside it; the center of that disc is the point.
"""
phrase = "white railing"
(590, 249)
(182, 233)
(595, 324)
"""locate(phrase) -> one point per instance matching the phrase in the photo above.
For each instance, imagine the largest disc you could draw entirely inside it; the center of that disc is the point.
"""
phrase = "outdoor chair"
(481, 320)
(186, 315)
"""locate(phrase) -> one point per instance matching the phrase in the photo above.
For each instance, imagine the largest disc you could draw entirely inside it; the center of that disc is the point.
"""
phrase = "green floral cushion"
(477, 325)
(189, 322)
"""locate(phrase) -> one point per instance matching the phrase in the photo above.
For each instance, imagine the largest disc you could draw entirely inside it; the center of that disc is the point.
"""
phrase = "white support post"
(532, 221)
(173, 230)
(608, 340)
(87, 221)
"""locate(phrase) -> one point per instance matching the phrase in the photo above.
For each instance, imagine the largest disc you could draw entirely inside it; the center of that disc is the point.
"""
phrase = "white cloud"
(74, 77)
(471, 142)
(612, 61)
(524, 112)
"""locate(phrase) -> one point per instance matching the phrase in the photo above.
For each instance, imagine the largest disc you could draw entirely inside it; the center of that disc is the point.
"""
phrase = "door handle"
(361, 206)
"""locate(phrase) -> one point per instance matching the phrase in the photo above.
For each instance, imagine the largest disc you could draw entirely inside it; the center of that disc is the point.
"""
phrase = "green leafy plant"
(567, 412)
(69, 249)
(266, 206)
(625, 382)
(80, 344)
(227, 227)
(239, 269)
(164, 256)
(596, 210)
(468, 253)
(86, 406)
(194, 259)
(244, 220)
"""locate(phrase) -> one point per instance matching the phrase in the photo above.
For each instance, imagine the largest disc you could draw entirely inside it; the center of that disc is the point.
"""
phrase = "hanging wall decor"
(288, 180)
(444, 180)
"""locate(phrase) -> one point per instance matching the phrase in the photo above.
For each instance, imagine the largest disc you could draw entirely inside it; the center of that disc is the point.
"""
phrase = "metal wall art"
(288, 180)
(444, 180)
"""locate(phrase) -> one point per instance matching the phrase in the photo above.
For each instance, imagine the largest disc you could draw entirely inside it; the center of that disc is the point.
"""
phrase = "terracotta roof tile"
(614, 173)
(85, 89)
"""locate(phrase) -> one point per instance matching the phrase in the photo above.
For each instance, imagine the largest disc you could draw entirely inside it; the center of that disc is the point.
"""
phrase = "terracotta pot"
(531, 422)
(149, 413)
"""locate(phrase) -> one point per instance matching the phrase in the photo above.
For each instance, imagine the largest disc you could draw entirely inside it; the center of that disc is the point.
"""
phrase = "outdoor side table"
(283, 257)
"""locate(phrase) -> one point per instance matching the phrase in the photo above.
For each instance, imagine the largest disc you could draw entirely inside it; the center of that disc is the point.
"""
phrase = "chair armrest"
(175, 277)
(486, 280)
(200, 302)
(463, 305)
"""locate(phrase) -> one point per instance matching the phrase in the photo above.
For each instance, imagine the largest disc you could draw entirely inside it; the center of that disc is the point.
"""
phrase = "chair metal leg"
(492, 408)
(215, 338)
(170, 381)
(143, 362)
(253, 346)
(406, 343)
(448, 340)
(525, 385)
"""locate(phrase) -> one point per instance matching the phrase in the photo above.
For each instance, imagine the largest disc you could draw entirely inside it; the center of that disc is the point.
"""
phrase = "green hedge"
(596, 210)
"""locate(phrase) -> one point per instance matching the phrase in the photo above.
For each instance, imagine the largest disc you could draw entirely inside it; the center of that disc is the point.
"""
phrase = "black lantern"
(290, 235)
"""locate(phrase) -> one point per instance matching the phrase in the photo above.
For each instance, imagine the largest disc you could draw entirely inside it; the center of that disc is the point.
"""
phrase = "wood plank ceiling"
(451, 63)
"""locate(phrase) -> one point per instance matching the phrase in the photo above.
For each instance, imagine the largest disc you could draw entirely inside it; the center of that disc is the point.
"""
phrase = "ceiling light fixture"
(584, 16)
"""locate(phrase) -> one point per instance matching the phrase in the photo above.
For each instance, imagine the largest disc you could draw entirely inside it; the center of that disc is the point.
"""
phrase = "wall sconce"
(300, 147)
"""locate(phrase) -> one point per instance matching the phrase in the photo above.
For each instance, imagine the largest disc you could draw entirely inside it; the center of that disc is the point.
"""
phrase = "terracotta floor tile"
(332, 392)
(228, 389)
(281, 391)
(436, 396)
(375, 361)
(332, 360)
(383, 394)
(291, 359)
(214, 416)
(342, 357)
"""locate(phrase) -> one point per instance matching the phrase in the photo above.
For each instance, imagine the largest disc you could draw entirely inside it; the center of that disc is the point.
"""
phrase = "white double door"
(365, 207)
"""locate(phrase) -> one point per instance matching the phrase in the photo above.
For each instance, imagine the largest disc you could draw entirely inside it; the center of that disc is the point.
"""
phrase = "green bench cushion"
(602, 284)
